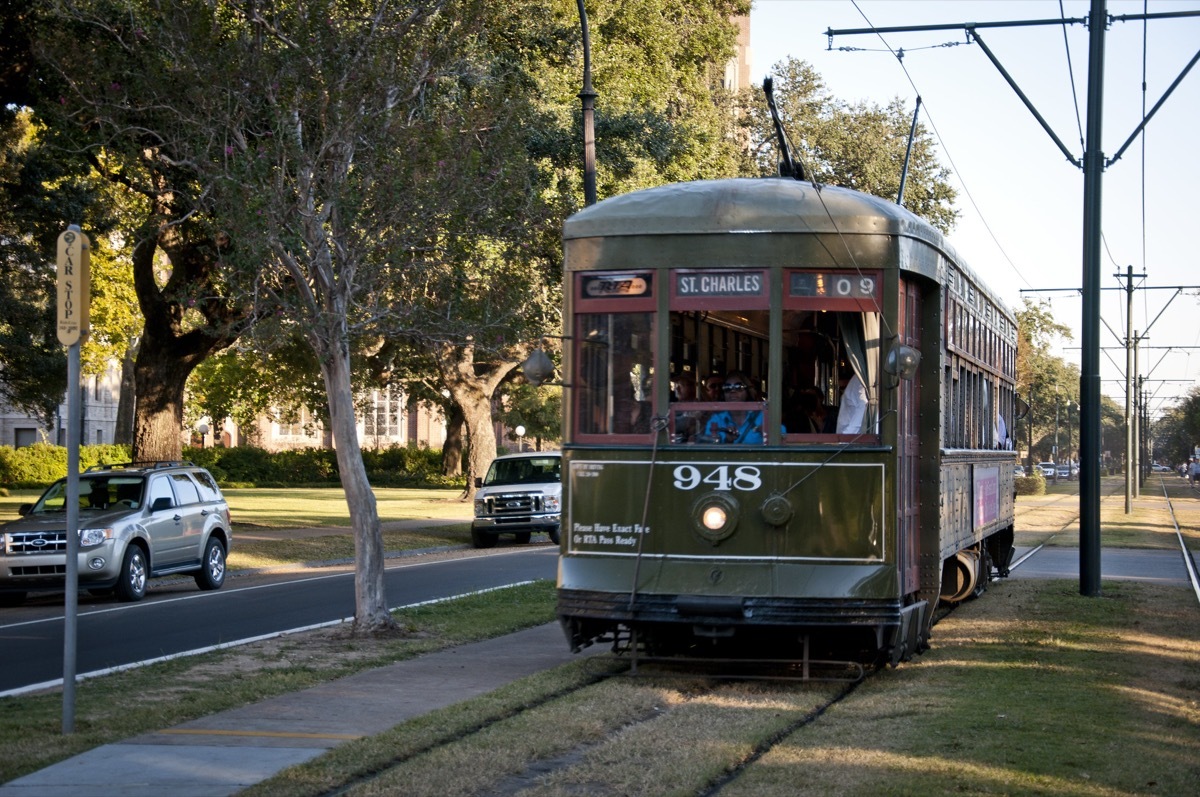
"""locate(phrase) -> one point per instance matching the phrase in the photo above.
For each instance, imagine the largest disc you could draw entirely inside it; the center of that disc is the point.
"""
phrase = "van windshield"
(526, 470)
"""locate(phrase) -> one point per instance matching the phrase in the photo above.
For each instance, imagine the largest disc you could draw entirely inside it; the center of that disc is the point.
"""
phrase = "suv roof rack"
(147, 465)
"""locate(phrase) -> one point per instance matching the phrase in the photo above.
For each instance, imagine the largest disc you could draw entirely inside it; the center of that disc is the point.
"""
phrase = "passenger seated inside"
(736, 426)
(815, 417)
(687, 423)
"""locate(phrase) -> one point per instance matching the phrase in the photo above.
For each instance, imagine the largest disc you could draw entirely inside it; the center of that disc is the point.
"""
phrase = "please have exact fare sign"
(74, 285)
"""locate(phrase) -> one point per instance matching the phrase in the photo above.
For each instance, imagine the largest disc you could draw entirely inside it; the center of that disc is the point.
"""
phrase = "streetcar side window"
(616, 369)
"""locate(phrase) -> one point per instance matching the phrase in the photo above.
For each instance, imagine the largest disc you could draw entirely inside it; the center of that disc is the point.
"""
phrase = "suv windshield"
(526, 470)
(124, 492)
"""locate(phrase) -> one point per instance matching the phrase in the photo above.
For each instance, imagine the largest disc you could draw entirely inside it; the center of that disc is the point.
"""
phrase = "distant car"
(137, 520)
(521, 494)
(1019, 471)
(1157, 468)
(1047, 469)
(1063, 471)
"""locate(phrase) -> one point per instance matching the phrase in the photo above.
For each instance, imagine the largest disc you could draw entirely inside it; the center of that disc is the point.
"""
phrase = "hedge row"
(408, 466)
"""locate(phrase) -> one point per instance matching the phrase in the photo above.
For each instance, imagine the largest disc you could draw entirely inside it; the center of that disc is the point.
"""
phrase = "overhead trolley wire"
(899, 54)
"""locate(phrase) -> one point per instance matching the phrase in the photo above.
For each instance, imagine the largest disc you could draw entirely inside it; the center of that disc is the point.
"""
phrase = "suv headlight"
(552, 503)
(89, 538)
(480, 507)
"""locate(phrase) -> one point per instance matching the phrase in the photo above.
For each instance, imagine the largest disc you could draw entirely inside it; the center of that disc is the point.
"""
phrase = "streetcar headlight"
(714, 518)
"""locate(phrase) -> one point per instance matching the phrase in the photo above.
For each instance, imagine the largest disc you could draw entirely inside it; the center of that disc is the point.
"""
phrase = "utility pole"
(1093, 165)
(1129, 373)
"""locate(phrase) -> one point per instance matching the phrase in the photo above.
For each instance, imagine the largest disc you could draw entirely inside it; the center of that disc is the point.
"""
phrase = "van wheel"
(553, 534)
(211, 574)
(131, 585)
(482, 539)
(522, 537)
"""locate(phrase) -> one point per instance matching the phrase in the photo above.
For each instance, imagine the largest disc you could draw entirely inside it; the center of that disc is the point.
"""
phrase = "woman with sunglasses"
(736, 426)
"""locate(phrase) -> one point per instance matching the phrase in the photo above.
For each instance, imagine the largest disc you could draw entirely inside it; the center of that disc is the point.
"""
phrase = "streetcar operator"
(737, 426)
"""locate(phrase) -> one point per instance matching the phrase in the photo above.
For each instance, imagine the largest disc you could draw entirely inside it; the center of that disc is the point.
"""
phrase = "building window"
(302, 425)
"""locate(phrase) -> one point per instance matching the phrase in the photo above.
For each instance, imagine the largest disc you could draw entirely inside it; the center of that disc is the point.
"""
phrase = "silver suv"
(137, 520)
(521, 494)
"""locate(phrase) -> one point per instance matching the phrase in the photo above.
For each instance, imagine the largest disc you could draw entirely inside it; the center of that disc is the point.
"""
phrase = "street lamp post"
(1057, 405)
(1070, 439)
(520, 430)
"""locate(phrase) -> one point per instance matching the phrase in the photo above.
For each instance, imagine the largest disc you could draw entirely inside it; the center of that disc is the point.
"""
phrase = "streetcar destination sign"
(720, 283)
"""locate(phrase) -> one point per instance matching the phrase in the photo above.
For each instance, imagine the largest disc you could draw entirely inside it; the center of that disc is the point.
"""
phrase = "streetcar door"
(908, 442)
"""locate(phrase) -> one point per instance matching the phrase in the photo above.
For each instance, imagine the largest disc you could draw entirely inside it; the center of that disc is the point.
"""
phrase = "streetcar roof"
(747, 205)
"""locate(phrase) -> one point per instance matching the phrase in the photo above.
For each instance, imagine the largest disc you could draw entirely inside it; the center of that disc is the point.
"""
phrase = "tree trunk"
(452, 450)
(126, 409)
(371, 615)
(169, 349)
(160, 375)
(471, 387)
(481, 435)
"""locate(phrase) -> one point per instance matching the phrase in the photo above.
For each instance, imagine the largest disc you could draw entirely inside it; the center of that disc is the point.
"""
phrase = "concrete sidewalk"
(224, 753)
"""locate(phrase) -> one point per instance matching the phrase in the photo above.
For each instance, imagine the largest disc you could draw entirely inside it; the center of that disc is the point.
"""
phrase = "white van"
(521, 494)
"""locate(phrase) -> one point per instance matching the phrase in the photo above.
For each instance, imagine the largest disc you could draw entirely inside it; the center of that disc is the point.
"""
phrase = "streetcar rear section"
(783, 413)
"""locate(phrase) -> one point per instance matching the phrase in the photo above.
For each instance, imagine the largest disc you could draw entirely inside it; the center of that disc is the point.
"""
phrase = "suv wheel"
(131, 584)
(522, 537)
(482, 539)
(211, 574)
(553, 535)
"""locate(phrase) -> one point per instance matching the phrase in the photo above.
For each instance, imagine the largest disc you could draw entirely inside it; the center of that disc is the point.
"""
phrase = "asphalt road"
(177, 617)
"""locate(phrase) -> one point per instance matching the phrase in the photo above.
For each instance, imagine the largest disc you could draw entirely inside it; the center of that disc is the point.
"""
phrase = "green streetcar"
(787, 412)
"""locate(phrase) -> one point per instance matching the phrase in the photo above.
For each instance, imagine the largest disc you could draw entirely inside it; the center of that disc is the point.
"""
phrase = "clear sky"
(1020, 199)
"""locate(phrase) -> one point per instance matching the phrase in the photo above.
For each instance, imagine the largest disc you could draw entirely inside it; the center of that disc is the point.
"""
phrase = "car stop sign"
(74, 285)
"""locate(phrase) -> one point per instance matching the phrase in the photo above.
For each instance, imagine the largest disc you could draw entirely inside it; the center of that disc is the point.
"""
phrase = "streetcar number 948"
(743, 477)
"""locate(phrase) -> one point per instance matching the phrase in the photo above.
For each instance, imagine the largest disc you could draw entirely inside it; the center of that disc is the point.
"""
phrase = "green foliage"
(1031, 485)
(855, 145)
(538, 409)
(41, 463)
(398, 465)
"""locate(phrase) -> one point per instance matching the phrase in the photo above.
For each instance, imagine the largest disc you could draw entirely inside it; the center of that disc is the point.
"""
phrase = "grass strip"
(118, 706)
(1033, 689)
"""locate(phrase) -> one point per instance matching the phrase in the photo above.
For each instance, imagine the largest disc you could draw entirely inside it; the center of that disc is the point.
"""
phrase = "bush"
(397, 465)
(1034, 484)
(41, 464)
